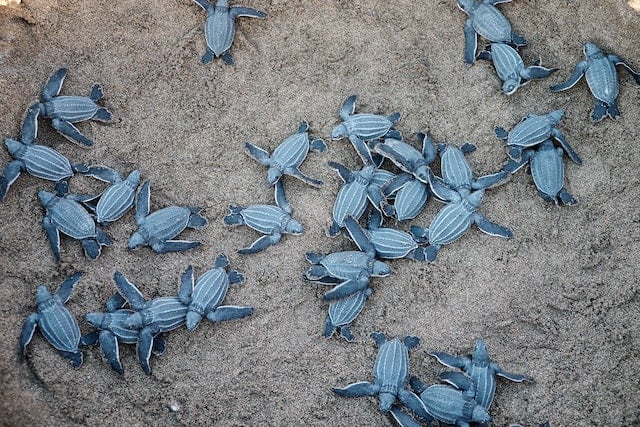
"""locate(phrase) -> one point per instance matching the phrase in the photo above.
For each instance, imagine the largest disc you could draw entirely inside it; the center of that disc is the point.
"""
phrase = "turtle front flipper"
(402, 418)
(10, 174)
(174, 246)
(143, 202)
(69, 131)
(451, 361)
(491, 228)
(558, 136)
(362, 388)
(54, 84)
(28, 329)
(129, 291)
(30, 125)
(261, 244)
(261, 156)
(145, 345)
(53, 235)
(346, 288)
(413, 402)
(517, 40)
(575, 77)
(236, 11)
(296, 173)
(66, 288)
(229, 312)
(536, 72)
(103, 173)
(470, 42)
(110, 350)
(617, 60)
(348, 107)
(362, 149)
(510, 376)
(491, 180)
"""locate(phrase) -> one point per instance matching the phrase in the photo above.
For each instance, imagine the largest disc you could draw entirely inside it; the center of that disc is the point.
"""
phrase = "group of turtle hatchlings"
(371, 192)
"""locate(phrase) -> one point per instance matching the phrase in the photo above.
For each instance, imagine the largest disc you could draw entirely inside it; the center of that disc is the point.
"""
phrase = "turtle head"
(480, 354)
(480, 415)
(97, 320)
(380, 269)
(14, 147)
(387, 399)
(475, 198)
(136, 241)
(294, 227)
(591, 50)
(193, 319)
(556, 115)
(273, 175)
(339, 132)
(422, 173)
(45, 197)
(42, 294)
(465, 5)
(510, 86)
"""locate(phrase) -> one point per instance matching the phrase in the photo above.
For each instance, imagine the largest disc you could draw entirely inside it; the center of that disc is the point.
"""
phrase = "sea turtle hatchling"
(39, 160)
(359, 186)
(66, 110)
(534, 129)
(220, 27)
(208, 293)
(481, 370)
(487, 21)
(288, 156)
(407, 158)
(270, 220)
(64, 214)
(602, 78)
(342, 312)
(112, 330)
(116, 199)
(153, 317)
(547, 169)
(158, 229)
(511, 69)
(362, 127)
(390, 373)
(56, 322)
(449, 404)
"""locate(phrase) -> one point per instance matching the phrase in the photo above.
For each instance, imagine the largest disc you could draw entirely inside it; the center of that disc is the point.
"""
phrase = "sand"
(558, 302)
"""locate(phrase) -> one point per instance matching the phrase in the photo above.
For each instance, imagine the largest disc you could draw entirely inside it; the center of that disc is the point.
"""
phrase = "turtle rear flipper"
(501, 133)
(207, 57)
(196, 220)
(69, 131)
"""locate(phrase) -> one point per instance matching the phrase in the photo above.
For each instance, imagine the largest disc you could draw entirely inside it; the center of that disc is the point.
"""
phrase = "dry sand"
(558, 302)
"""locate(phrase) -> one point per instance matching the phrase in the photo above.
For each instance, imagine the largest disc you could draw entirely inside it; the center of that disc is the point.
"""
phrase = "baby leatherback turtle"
(602, 78)
(160, 227)
(511, 69)
(361, 128)
(390, 373)
(407, 157)
(485, 20)
(343, 312)
(112, 331)
(56, 322)
(66, 110)
(64, 214)
(116, 199)
(534, 130)
(481, 370)
(409, 196)
(208, 293)
(40, 161)
(273, 221)
(220, 27)
(153, 317)
(288, 156)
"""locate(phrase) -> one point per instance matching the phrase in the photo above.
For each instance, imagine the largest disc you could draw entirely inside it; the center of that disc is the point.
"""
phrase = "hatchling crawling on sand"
(273, 221)
(342, 312)
(220, 27)
(600, 71)
(407, 158)
(288, 156)
(487, 21)
(158, 229)
(116, 199)
(56, 322)
(38, 160)
(65, 110)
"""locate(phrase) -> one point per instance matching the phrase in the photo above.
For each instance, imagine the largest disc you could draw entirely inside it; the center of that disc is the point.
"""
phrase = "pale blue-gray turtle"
(208, 293)
(511, 69)
(288, 156)
(361, 128)
(66, 110)
(350, 271)
(272, 221)
(487, 21)
(407, 158)
(481, 370)
(602, 78)
(158, 229)
(56, 322)
(220, 27)
(40, 161)
(116, 199)
(359, 186)
(64, 214)
(409, 195)
(343, 312)
(464, 196)
(153, 317)
(389, 243)
(112, 331)
(547, 169)
(533, 130)
(447, 404)
(390, 373)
